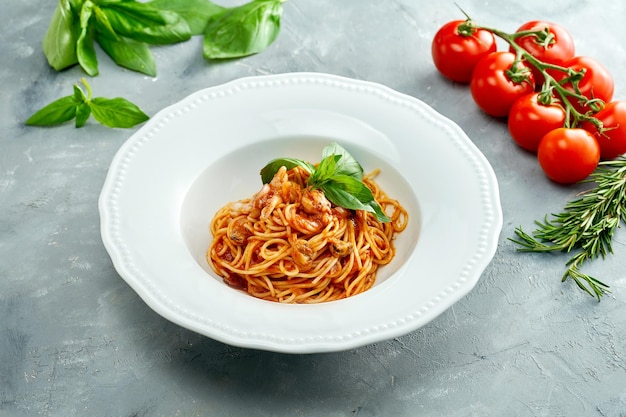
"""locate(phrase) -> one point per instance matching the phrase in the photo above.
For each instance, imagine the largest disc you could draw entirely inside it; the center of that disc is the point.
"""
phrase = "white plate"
(168, 180)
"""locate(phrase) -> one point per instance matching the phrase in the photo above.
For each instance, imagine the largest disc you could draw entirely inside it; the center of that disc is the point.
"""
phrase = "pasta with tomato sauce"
(288, 243)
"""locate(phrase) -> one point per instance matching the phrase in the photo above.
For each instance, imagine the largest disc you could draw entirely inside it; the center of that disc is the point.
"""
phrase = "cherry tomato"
(456, 50)
(529, 120)
(554, 46)
(492, 88)
(568, 155)
(613, 141)
(596, 83)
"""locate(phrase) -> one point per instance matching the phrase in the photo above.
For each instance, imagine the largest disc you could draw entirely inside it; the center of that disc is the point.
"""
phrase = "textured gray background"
(75, 340)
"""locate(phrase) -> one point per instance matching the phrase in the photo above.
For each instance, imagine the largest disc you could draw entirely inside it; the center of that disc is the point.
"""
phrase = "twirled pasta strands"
(289, 244)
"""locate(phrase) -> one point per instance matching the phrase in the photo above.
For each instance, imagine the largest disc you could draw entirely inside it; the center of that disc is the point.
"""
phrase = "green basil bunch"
(124, 29)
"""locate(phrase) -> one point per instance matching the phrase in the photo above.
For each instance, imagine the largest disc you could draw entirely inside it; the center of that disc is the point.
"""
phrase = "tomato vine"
(570, 122)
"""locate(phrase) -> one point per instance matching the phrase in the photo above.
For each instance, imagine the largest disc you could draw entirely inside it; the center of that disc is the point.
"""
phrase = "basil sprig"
(338, 175)
(114, 112)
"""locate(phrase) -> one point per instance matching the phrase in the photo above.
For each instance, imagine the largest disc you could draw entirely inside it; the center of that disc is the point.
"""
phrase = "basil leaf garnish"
(347, 165)
(325, 170)
(338, 175)
(269, 170)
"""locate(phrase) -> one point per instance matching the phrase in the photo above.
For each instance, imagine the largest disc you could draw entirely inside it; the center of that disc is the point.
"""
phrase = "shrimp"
(302, 254)
(279, 179)
(237, 232)
(305, 223)
(315, 213)
(270, 195)
(238, 208)
(339, 248)
(291, 192)
(315, 202)
(341, 212)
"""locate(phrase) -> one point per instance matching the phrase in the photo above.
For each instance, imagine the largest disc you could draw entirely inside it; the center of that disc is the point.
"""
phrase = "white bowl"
(168, 180)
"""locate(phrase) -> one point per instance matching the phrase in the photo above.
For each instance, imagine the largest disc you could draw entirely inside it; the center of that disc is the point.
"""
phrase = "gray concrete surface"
(75, 340)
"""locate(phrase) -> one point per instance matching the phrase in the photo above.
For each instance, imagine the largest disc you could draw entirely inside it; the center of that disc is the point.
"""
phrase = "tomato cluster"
(557, 104)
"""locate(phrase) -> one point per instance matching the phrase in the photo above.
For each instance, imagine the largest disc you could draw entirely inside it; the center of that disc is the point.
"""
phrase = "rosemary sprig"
(585, 225)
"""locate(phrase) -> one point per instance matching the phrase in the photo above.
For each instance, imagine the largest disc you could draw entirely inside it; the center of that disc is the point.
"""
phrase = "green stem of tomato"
(551, 85)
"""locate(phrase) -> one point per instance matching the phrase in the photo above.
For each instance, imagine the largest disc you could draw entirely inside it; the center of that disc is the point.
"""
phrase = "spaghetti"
(289, 244)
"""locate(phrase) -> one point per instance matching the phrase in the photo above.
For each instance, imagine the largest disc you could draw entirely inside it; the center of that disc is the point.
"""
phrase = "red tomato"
(596, 83)
(529, 121)
(568, 155)
(613, 141)
(555, 46)
(456, 52)
(492, 88)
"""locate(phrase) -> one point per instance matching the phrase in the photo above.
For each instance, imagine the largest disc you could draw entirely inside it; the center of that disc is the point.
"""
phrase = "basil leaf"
(326, 169)
(129, 54)
(347, 165)
(269, 170)
(57, 112)
(116, 112)
(79, 95)
(107, 2)
(380, 214)
(75, 5)
(343, 198)
(85, 50)
(83, 111)
(144, 23)
(243, 30)
(353, 186)
(103, 26)
(82, 104)
(350, 193)
(195, 12)
(59, 42)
